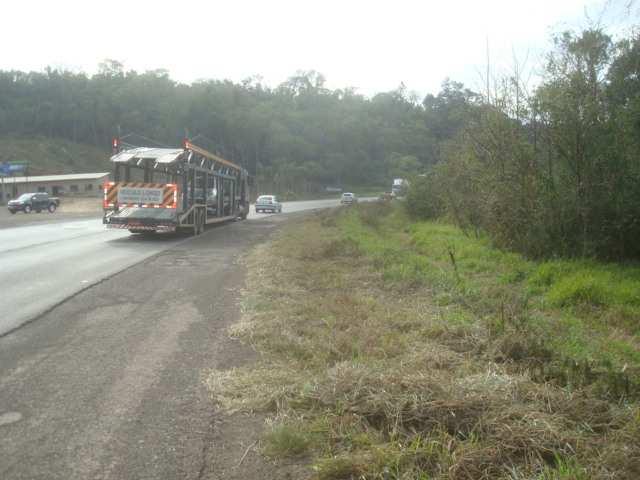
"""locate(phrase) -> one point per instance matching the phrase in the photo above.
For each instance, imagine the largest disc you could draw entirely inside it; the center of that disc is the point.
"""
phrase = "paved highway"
(43, 264)
(109, 384)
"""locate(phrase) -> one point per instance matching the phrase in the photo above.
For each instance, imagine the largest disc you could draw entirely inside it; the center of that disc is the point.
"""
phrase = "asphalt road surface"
(109, 384)
(42, 264)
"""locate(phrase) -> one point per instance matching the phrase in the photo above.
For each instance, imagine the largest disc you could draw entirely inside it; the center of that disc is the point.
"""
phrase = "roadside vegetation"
(395, 349)
(554, 172)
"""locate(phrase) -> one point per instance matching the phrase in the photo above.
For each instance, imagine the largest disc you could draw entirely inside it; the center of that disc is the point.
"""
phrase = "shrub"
(423, 197)
(285, 441)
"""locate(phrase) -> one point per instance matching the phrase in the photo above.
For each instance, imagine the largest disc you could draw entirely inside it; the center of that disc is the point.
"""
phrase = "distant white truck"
(399, 187)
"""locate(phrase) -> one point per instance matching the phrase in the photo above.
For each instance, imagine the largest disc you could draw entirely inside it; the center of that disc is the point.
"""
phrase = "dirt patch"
(236, 448)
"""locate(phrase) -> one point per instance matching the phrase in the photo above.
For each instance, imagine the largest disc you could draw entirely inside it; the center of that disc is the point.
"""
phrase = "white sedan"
(268, 203)
(348, 198)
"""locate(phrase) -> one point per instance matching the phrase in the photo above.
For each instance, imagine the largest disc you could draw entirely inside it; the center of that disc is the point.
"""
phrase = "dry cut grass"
(366, 381)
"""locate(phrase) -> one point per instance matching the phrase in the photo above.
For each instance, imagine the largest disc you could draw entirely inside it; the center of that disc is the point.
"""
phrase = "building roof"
(56, 178)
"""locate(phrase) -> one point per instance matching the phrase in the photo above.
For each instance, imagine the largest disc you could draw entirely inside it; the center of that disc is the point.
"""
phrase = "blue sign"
(9, 168)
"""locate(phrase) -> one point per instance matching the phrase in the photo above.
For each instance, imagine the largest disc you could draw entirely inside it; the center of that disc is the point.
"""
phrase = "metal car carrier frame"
(170, 189)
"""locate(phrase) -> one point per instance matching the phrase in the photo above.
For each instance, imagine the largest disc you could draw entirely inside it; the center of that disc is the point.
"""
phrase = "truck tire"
(27, 209)
(51, 207)
(13, 212)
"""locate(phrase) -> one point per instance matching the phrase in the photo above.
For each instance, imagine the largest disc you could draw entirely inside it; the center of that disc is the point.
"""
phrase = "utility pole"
(3, 173)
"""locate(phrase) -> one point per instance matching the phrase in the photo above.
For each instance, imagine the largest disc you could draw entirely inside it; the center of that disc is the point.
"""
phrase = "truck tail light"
(107, 187)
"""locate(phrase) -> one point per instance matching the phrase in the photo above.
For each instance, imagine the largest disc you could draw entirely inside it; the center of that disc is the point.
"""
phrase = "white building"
(77, 184)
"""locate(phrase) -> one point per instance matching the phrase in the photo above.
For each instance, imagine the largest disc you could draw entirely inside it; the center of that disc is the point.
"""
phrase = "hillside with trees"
(45, 156)
(300, 135)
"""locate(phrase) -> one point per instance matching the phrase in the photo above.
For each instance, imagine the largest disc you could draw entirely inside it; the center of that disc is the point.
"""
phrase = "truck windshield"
(25, 196)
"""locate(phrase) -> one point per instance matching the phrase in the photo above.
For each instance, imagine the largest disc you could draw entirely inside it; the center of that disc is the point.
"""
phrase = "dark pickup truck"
(28, 202)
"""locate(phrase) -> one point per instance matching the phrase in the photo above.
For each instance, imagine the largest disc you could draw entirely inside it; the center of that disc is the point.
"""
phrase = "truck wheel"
(51, 208)
(27, 209)
(13, 212)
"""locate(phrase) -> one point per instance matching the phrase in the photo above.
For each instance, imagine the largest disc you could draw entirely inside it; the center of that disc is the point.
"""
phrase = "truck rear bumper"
(142, 219)
(143, 228)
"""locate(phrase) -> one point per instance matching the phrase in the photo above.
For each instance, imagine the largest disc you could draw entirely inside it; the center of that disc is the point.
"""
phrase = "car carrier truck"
(173, 189)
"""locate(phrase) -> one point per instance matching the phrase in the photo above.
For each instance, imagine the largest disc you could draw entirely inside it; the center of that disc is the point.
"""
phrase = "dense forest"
(299, 135)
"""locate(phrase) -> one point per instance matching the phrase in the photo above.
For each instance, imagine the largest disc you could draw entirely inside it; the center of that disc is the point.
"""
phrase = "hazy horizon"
(370, 46)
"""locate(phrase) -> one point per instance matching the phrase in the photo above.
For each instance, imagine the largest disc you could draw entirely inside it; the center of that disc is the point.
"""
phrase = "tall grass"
(592, 308)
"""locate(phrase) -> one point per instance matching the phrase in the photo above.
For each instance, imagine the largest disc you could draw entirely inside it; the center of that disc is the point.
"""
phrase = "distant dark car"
(28, 202)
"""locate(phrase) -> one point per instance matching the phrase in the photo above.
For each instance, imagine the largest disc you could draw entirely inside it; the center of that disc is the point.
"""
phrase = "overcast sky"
(371, 45)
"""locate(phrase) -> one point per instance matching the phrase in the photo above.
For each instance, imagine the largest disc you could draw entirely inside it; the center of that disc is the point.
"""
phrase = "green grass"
(54, 156)
(565, 469)
(286, 441)
(578, 283)
(592, 308)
